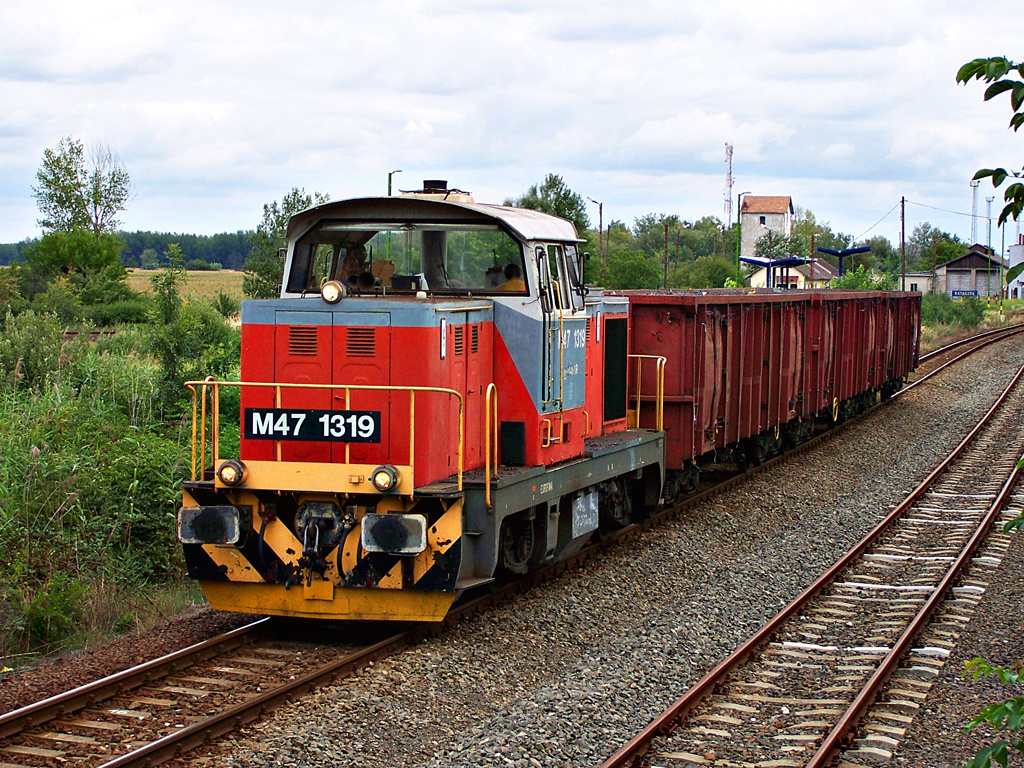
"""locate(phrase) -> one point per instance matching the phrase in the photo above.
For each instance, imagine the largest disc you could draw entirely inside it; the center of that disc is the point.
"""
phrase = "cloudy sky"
(217, 107)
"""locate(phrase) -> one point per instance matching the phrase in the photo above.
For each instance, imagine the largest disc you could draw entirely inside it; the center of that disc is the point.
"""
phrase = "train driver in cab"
(513, 280)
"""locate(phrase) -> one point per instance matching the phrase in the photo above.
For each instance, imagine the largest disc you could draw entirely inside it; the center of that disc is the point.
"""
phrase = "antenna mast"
(728, 184)
(974, 210)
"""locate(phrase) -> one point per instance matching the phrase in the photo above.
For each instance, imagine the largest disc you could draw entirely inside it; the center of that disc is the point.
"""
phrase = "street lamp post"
(600, 229)
(739, 231)
(390, 174)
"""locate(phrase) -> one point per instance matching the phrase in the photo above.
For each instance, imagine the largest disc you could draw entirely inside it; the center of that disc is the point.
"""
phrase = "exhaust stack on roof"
(437, 189)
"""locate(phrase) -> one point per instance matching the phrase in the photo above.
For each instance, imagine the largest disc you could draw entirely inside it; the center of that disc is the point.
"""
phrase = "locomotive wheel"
(616, 506)
(516, 543)
(751, 452)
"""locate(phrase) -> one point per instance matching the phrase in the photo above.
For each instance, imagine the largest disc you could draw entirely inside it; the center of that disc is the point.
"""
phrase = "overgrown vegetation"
(940, 309)
(1007, 715)
(93, 445)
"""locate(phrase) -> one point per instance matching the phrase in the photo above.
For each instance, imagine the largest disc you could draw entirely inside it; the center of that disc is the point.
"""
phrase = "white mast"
(974, 210)
(728, 184)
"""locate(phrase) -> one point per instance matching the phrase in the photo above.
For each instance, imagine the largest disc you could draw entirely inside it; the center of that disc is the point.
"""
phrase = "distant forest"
(149, 249)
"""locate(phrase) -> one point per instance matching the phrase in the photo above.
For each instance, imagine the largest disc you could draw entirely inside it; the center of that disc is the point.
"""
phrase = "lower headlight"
(232, 472)
(385, 478)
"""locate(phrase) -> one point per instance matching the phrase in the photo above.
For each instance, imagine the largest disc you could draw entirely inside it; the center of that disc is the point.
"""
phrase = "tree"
(863, 279)
(997, 70)
(927, 246)
(883, 255)
(75, 252)
(805, 225)
(149, 259)
(264, 267)
(705, 272)
(775, 246)
(554, 197)
(76, 192)
(631, 269)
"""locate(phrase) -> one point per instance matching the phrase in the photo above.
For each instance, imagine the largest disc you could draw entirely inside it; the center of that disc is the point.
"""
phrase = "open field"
(201, 284)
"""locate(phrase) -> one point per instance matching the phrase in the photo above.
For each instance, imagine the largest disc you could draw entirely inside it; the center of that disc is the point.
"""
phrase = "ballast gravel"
(568, 672)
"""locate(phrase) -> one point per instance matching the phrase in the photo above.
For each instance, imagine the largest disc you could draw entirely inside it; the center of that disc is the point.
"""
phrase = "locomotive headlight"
(231, 472)
(332, 292)
(385, 478)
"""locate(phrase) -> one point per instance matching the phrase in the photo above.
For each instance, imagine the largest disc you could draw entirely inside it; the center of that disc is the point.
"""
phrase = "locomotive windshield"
(406, 257)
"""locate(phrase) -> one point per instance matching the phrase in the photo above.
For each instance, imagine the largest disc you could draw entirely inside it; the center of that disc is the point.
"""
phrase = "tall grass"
(91, 459)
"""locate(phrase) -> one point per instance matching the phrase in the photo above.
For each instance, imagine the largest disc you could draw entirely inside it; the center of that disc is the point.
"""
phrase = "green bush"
(863, 279)
(226, 306)
(54, 611)
(34, 351)
(131, 311)
(940, 309)
(60, 299)
(90, 463)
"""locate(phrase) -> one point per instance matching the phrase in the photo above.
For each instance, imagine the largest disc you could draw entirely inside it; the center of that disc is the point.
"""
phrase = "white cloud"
(219, 106)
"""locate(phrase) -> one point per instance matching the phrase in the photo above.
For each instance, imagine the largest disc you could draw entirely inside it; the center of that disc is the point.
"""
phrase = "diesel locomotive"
(437, 396)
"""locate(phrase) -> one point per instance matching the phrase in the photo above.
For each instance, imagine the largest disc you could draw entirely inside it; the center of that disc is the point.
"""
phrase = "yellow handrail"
(215, 421)
(659, 396)
(490, 409)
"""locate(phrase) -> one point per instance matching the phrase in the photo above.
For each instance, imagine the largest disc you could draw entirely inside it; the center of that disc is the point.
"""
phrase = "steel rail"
(638, 745)
(1008, 330)
(860, 705)
(990, 338)
(232, 718)
(15, 721)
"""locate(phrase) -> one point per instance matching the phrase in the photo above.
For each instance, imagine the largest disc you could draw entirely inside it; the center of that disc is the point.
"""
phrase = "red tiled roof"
(753, 204)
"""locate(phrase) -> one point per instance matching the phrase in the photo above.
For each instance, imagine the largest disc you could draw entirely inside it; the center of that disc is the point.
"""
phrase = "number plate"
(312, 425)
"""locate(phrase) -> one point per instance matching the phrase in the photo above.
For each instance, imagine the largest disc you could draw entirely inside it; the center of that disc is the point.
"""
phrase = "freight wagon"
(749, 372)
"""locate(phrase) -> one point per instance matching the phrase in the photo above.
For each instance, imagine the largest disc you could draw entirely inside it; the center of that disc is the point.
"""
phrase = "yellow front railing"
(209, 390)
(659, 392)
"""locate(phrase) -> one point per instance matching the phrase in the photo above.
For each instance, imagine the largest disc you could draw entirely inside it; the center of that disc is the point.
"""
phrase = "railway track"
(159, 710)
(849, 652)
(979, 338)
(152, 712)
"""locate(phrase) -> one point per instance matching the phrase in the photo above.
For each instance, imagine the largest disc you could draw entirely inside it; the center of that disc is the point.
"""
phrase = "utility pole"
(1002, 251)
(665, 279)
(600, 229)
(988, 218)
(739, 233)
(903, 243)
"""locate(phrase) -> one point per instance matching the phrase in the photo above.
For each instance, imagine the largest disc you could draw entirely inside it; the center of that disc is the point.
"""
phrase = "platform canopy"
(789, 261)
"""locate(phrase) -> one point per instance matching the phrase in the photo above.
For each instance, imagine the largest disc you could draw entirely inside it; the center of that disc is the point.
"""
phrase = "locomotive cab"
(415, 416)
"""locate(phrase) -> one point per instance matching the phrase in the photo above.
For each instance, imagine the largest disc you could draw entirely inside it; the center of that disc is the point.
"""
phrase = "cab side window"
(559, 273)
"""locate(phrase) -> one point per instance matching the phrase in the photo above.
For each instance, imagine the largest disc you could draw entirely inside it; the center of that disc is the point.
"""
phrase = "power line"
(945, 210)
(861, 235)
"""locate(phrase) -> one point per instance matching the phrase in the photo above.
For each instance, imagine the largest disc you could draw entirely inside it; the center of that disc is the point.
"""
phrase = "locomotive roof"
(524, 222)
